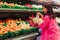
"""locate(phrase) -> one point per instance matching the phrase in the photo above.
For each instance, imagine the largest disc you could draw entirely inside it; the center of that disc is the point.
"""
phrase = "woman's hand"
(37, 20)
(39, 14)
(40, 21)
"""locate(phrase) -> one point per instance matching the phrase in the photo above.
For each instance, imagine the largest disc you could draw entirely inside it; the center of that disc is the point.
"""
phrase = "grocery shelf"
(24, 10)
(23, 36)
(56, 10)
(16, 10)
(53, 3)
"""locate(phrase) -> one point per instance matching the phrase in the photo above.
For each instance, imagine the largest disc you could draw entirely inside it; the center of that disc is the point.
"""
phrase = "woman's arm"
(45, 22)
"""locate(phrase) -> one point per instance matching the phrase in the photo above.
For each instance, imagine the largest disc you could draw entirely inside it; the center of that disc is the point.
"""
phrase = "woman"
(50, 29)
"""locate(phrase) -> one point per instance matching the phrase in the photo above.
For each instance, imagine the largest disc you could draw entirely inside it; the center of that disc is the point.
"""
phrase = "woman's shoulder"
(47, 17)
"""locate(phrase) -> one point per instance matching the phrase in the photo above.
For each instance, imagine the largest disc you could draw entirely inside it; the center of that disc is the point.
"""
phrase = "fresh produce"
(34, 7)
(37, 7)
(12, 5)
(21, 7)
(12, 28)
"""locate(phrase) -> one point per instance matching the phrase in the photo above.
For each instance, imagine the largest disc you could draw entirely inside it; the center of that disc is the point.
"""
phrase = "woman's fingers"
(38, 21)
(39, 14)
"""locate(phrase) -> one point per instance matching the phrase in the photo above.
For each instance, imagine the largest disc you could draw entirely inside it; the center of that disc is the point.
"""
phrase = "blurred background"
(19, 13)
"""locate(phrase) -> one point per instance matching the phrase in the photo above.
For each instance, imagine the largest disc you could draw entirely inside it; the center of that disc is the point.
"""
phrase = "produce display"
(34, 20)
(17, 6)
(34, 7)
(15, 27)
(11, 5)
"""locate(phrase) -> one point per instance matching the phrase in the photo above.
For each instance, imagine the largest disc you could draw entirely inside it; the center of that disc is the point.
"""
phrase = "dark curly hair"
(50, 11)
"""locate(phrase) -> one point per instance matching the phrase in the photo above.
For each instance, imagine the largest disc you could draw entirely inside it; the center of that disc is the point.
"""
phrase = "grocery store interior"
(15, 22)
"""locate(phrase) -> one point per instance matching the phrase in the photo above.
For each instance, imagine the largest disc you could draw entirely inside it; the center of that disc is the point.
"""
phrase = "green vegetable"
(18, 23)
(4, 6)
(17, 7)
(1, 37)
(11, 34)
(26, 22)
(6, 35)
(5, 24)
(34, 29)
(17, 33)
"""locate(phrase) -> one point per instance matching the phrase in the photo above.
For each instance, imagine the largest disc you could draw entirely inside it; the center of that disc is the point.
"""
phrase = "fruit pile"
(17, 6)
(10, 28)
(34, 7)
(12, 5)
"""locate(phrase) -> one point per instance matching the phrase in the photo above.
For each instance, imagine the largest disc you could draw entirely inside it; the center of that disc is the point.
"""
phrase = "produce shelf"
(17, 10)
(23, 36)
(24, 10)
(56, 10)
